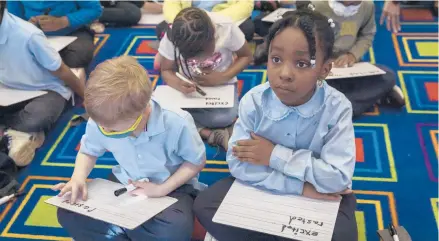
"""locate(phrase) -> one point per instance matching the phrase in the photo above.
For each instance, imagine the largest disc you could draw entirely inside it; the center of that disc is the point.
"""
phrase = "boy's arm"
(330, 173)
(83, 165)
(241, 9)
(190, 147)
(65, 74)
(366, 35)
(48, 58)
(260, 176)
(171, 8)
(16, 8)
(89, 151)
(87, 13)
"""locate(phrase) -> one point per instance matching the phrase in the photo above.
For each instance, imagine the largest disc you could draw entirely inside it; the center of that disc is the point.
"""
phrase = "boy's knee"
(65, 218)
(389, 78)
(176, 228)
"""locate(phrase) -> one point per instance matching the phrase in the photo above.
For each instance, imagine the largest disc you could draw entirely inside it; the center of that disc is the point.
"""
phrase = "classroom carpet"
(396, 171)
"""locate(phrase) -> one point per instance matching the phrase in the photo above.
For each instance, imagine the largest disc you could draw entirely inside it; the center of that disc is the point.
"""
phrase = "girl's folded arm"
(330, 173)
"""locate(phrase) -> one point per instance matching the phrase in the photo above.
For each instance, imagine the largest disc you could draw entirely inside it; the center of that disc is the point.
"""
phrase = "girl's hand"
(256, 151)
(185, 87)
(76, 187)
(149, 189)
(310, 191)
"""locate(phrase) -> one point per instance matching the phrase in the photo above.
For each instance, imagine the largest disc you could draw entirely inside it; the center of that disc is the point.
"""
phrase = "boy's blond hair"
(118, 89)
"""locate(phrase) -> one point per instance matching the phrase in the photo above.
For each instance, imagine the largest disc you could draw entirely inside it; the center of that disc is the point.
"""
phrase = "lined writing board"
(288, 216)
(124, 211)
(216, 97)
(362, 69)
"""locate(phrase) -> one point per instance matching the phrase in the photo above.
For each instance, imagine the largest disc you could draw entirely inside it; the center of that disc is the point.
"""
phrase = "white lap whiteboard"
(276, 15)
(60, 42)
(288, 216)
(10, 96)
(216, 97)
(358, 70)
(124, 211)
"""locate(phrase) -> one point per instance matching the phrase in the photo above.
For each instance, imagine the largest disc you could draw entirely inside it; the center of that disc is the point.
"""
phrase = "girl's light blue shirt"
(314, 142)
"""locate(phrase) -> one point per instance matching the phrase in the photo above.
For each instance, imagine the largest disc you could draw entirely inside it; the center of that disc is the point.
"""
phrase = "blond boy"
(147, 140)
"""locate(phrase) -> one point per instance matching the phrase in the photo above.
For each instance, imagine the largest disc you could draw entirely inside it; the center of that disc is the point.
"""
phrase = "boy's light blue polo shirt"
(26, 58)
(171, 138)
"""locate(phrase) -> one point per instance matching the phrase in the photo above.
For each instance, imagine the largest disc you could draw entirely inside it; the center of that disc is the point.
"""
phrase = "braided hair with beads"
(312, 23)
(191, 33)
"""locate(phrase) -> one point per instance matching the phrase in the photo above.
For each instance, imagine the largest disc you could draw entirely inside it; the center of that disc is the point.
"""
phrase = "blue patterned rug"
(397, 151)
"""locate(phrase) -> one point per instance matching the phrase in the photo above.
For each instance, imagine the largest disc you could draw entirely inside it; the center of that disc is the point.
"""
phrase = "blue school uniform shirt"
(314, 142)
(26, 58)
(171, 138)
(79, 13)
(206, 5)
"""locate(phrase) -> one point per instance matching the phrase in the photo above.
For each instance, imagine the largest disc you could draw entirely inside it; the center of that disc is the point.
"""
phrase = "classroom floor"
(397, 151)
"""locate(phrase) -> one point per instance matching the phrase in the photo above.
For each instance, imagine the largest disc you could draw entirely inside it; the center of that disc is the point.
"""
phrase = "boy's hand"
(309, 191)
(390, 14)
(51, 24)
(345, 60)
(255, 151)
(149, 189)
(212, 78)
(75, 186)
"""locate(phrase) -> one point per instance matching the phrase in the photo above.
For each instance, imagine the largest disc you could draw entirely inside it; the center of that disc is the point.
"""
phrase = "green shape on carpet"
(43, 215)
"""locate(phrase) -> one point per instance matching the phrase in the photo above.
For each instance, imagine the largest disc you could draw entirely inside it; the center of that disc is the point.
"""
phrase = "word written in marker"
(296, 230)
(80, 205)
(304, 220)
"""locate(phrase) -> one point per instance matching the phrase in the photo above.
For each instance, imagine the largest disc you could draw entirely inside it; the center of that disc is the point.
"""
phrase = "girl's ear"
(326, 69)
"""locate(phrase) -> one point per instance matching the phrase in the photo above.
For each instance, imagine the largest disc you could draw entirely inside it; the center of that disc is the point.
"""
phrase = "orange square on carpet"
(431, 88)
(359, 150)
(416, 14)
(144, 48)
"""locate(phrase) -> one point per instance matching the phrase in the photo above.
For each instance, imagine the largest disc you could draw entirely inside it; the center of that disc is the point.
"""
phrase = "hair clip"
(313, 62)
(331, 22)
(311, 6)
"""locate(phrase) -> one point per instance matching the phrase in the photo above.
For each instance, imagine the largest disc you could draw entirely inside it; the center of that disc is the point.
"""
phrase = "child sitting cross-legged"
(294, 134)
(202, 45)
(148, 140)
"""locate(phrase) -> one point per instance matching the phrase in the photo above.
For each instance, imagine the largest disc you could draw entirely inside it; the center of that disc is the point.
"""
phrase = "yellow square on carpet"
(427, 49)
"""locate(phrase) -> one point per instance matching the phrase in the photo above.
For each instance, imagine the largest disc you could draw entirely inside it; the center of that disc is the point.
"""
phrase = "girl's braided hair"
(191, 33)
(312, 23)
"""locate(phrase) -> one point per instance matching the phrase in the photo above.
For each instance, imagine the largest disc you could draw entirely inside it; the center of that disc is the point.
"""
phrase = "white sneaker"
(22, 146)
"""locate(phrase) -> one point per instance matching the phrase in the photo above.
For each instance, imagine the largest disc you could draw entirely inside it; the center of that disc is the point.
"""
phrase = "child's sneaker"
(22, 146)
(395, 98)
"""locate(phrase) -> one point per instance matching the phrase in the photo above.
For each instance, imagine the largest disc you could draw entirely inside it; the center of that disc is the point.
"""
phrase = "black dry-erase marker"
(393, 233)
(119, 192)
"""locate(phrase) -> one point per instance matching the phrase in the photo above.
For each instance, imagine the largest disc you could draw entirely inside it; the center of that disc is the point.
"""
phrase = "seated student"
(237, 10)
(28, 62)
(294, 134)
(63, 18)
(206, 42)
(147, 140)
(355, 30)
(125, 13)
